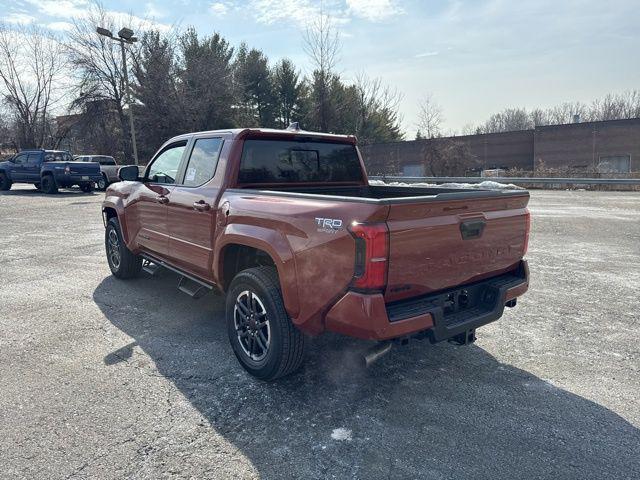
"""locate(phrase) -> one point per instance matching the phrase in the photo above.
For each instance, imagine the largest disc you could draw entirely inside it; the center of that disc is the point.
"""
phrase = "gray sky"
(475, 56)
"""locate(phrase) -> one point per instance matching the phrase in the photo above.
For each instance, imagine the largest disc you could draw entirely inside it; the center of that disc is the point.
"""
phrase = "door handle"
(162, 199)
(201, 206)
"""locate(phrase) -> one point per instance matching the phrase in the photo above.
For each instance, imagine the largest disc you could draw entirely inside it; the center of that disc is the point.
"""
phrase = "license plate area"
(85, 177)
(457, 304)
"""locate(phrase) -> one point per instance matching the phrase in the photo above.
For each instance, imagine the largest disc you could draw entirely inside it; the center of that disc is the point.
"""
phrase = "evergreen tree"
(289, 94)
(158, 111)
(254, 88)
(206, 86)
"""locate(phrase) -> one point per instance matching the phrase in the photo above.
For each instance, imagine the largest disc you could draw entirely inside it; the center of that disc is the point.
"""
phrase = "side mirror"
(129, 173)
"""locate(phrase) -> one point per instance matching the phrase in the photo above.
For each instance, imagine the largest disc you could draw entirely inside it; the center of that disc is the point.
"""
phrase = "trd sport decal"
(329, 225)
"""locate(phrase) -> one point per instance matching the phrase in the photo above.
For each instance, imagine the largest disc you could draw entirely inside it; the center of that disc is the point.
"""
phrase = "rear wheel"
(5, 183)
(48, 184)
(86, 187)
(122, 262)
(262, 336)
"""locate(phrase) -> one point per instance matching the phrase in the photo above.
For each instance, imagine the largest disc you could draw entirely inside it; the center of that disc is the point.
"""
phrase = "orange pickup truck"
(286, 223)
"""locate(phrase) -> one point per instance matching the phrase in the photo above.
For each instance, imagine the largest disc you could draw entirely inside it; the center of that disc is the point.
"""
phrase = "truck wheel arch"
(236, 252)
(112, 211)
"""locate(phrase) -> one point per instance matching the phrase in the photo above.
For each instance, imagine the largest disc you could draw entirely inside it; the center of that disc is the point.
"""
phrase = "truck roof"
(42, 150)
(270, 132)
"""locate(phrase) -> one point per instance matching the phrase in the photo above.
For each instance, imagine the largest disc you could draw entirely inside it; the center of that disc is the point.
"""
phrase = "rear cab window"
(202, 161)
(58, 157)
(298, 161)
(103, 160)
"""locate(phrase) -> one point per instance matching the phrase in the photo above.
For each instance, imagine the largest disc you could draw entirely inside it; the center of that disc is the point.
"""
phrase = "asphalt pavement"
(101, 378)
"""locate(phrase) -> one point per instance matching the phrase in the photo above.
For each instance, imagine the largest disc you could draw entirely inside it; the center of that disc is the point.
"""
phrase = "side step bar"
(188, 284)
(150, 267)
(194, 289)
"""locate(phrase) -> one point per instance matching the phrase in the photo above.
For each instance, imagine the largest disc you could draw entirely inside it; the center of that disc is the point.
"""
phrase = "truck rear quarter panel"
(315, 264)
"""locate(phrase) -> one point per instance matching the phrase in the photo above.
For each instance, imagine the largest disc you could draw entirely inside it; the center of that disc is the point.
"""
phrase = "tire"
(5, 183)
(266, 344)
(86, 187)
(103, 183)
(122, 262)
(48, 184)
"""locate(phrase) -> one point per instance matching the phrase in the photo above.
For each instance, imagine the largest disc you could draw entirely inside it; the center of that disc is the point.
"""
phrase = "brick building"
(606, 147)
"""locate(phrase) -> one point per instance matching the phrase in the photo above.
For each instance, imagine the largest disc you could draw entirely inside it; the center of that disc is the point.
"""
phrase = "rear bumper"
(441, 316)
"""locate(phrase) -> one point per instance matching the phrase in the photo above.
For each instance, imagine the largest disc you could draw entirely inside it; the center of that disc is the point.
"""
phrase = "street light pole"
(125, 35)
(128, 98)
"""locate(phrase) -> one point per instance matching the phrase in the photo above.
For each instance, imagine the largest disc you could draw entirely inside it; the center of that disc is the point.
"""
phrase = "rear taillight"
(372, 255)
(67, 170)
(527, 219)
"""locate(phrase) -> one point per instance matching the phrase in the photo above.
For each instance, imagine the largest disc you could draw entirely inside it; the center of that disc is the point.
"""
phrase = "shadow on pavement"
(24, 192)
(421, 412)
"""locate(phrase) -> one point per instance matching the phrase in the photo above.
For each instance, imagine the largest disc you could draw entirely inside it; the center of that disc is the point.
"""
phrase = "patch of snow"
(342, 435)
(484, 185)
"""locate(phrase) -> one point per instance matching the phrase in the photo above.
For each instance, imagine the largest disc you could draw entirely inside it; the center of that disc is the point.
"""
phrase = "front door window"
(164, 168)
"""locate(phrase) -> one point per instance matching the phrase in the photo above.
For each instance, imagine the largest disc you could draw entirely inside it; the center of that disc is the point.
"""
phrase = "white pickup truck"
(108, 167)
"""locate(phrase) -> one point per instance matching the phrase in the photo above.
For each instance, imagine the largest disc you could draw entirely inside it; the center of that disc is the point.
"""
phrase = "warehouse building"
(591, 147)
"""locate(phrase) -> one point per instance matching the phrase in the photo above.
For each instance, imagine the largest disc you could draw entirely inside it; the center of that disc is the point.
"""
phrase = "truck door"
(32, 167)
(19, 168)
(192, 209)
(148, 223)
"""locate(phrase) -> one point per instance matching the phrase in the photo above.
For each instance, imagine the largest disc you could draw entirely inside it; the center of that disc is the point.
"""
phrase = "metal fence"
(514, 180)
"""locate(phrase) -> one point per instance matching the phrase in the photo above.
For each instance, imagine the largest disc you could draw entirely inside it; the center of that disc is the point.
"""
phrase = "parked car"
(286, 223)
(108, 167)
(48, 170)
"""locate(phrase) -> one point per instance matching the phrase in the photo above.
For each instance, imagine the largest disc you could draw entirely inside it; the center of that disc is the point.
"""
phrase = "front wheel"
(102, 184)
(5, 183)
(262, 336)
(122, 262)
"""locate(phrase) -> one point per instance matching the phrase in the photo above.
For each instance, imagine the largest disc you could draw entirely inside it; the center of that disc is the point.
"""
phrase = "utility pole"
(125, 35)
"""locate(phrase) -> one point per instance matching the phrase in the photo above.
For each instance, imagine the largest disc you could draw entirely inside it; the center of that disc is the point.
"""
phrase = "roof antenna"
(294, 126)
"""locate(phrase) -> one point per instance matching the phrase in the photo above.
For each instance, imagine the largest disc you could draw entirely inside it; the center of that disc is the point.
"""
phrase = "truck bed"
(383, 194)
(438, 237)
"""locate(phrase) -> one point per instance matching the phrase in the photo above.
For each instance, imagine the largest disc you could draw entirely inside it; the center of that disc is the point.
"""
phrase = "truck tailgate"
(438, 245)
(83, 168)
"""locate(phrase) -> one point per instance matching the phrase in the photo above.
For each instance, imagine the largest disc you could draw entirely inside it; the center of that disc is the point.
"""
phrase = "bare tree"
(610, 107)
(31, 64)
(98, 63)
(321, 43)
(616, 107)
(470, 129)
(566, 113)
(447, 157)
(630, 104)
(377, 110)
(430, 118)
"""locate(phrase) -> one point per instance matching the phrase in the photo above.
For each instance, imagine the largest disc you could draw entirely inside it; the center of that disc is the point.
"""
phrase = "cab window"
(202, 162)
(20, 159)
(164, 168)
(105, 160)
(58, 157)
